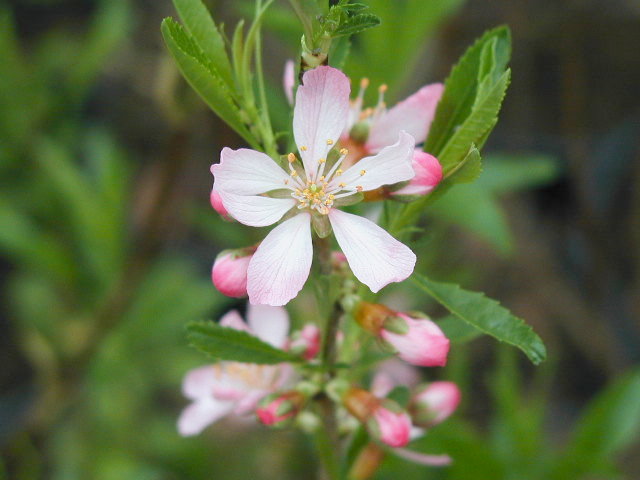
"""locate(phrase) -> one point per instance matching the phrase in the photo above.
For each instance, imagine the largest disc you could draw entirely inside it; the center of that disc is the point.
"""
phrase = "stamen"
(303, 148)
(329, 141)
(291, 157)
(339, 172)
(362, 172)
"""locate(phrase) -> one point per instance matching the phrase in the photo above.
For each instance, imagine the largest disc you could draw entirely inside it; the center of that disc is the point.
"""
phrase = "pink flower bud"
(276, 410)
(229, 272)
(417, 341)
(435, 403)
(216, 203)
(392, 428)
(428, 174)
(307, 341)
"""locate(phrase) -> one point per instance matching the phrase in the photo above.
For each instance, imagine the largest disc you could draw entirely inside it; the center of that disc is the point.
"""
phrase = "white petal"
(281, 264)
(254, 210)
(233, 320)
(200, 414)
(200, 382)
(320, 114)
(392, 165)
(289, 80)
(414, 114)
(375, 257)
(270, 324)
(247, 172)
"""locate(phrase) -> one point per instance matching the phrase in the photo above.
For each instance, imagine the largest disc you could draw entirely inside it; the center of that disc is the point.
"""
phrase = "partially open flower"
(418, 341)
(435, 402)
(229, 272)
(385, 419)
(278, 409)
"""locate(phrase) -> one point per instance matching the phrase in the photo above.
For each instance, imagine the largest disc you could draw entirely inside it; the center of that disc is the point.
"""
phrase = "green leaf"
(486, 315)
(224, 343)
(611, 422)
(469, 169)
(357, 24)
(198, 71)
(198, 22)
(457, 330)
(461, 88)
(477, 126)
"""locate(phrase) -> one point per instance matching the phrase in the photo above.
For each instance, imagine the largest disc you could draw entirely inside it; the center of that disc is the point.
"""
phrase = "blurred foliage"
(97, 308)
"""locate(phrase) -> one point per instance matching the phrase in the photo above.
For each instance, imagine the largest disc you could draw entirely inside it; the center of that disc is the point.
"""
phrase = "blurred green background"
(107, 238)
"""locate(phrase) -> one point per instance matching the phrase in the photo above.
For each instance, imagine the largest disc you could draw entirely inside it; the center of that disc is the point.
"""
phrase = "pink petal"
(270, 324)
(392, 165)
(393, 427)
(421, 458)
(375, 257)
(320, 113)
(247, 172)
(256, 211)
(424, 344)
(229, 274)
(414, 114)
(428, 175)
(281, 264)
(200, 414)
(200, 382)
(233, 320)
(289, 80)
(390, 374)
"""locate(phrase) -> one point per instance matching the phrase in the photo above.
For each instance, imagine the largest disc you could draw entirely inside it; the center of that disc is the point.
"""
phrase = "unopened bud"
(428, 174)
(307, 341)
(367, 462)
(371, 316)
(229, 272)
(435, 402)
(423, 344)
(218, 206)
(277, 410)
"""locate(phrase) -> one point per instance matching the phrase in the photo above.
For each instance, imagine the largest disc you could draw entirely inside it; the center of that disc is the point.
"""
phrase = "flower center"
(320, 190)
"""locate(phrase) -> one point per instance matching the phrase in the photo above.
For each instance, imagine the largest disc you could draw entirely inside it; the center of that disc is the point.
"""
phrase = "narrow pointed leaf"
(223, 343)
(198, 22)
(196, 69)
(486, 315)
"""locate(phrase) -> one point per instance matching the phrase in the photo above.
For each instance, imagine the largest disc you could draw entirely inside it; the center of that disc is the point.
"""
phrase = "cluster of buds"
(414, 337)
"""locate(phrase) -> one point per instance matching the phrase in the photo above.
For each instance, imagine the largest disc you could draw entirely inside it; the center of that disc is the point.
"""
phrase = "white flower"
(280, 266)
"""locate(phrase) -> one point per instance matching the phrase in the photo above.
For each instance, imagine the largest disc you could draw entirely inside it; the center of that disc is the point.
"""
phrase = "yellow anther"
(321, 179)
(291, 157)
(339, 171)
(344, 151)
(359, 188)
(362, 172)
(303, 148)
(294, 173)
(382, 88)
(364, 83)
(342, 184)
(322, 160)
(331, 196)
(329, 141)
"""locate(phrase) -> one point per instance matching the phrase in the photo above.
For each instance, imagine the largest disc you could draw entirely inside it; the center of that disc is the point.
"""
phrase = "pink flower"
(370, 130)
(428, 175)
(435, 403)
(307, 341)
(390, 427)
(276, 410)
(231, 387)
(216, 203)
(417, 341)
(229, 271)
(316, 185)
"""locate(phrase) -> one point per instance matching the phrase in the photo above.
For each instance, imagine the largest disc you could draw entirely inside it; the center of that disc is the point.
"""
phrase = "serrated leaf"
(198, 22)
(457, 330)
(461, 88)
(224, 343)
(356, 24)
(469, 169)
(486, 315)
(196, 69)
(477, 126)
